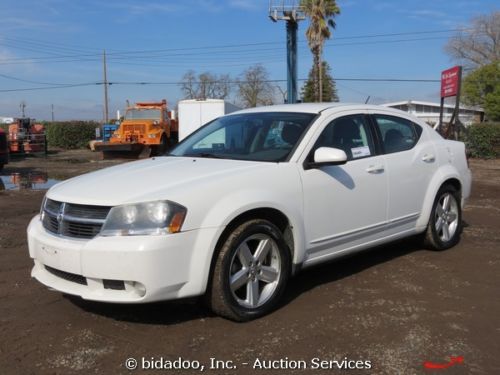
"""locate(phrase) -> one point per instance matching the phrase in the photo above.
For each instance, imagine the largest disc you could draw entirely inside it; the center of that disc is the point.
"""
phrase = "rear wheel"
(251, 271)
(445, 222)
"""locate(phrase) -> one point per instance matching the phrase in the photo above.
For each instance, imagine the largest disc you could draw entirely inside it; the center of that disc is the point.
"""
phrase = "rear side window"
(397, 134)
(349, 133)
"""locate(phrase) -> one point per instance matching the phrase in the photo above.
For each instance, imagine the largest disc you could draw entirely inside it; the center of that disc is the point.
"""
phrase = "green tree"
(329, 92)
(321, 14)
(482, 88)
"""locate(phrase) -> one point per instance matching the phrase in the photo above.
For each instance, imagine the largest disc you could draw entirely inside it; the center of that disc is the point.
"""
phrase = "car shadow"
(162, 313)
(348, 265)
(179, 311)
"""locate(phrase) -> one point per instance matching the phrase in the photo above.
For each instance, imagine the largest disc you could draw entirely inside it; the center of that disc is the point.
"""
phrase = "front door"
(345, 205)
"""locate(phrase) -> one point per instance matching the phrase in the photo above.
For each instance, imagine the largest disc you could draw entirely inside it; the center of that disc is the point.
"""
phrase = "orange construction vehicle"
(146, 127)
(27, 137)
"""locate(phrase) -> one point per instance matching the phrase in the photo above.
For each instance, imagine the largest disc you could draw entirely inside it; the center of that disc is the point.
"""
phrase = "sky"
(51, 50)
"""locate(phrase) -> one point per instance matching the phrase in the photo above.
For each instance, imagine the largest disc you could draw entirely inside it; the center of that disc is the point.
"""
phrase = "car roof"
(315, 108)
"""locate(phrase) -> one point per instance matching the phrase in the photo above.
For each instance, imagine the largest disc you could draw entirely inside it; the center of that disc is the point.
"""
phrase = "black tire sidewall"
(231, 245)
(163, 146)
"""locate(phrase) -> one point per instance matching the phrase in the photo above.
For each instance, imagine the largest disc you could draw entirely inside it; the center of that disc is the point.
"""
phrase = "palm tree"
(321, 15)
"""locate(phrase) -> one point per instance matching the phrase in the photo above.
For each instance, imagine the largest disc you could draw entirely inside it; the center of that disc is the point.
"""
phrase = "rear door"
(410, 163)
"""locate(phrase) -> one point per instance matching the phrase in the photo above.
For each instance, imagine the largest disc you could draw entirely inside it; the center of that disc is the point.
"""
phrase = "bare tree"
(205, 85)
(188, 85)
(254, 88)
(479, 44)
(223, 87)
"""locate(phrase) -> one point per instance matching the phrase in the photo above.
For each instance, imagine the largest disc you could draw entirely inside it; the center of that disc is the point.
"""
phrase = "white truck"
(194, 113)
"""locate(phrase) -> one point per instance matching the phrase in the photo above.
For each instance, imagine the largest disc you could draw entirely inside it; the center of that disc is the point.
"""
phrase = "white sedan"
(246, 202)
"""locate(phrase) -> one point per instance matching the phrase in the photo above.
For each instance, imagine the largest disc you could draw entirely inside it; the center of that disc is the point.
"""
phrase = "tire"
(174, 139)
(245, 285)
(445, 221)
(163, 146)
(153, 151)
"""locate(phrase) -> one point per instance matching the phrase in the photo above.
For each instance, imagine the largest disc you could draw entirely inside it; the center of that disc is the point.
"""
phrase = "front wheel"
(251, 271)
(445, 222)
(163, 146)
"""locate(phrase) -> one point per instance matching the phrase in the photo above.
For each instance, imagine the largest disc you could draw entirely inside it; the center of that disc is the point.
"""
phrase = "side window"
(349, 133)
(398, 134)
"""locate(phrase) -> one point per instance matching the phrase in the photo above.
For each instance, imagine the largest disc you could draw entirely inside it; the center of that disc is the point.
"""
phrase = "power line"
(171, 57)
(125, 54)
(29, 81)
(405, 33)
(50, 87)
(234, 82)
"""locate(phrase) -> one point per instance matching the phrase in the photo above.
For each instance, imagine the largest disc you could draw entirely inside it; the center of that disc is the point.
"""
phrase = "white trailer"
(193, 113)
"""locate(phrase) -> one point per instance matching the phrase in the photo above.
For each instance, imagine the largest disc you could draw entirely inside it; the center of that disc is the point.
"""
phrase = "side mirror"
(328, 156)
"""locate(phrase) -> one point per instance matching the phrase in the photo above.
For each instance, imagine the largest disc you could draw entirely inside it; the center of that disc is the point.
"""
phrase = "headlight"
(152, 135)
(151, 218)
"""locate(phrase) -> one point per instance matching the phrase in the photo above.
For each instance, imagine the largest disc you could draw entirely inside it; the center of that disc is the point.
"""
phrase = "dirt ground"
(396, 306)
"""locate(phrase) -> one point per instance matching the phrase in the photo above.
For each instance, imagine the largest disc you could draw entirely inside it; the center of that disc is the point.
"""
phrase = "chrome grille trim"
(73, 220)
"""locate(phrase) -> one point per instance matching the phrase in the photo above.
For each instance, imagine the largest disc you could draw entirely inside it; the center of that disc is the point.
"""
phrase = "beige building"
(429, 112)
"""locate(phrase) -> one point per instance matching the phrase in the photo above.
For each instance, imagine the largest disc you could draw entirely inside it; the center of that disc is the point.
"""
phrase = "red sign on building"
(450, 81)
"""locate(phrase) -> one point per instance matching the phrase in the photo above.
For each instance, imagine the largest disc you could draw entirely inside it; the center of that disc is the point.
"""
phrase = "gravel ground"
(395, 306)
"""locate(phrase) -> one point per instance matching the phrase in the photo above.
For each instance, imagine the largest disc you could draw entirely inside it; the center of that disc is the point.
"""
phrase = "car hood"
(148, 180)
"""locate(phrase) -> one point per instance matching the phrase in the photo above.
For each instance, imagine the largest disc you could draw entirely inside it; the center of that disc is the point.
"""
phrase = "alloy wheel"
(446, 217)
(255, 271)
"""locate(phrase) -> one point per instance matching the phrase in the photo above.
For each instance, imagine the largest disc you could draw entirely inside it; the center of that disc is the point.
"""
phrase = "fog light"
(139, 288)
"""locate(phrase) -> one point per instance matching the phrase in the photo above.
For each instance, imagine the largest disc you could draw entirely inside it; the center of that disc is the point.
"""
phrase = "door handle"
(375, 169)
(428, 158)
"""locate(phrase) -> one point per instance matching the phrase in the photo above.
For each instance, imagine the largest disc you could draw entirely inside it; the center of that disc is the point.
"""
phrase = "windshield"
(267, 136)
(134, 114)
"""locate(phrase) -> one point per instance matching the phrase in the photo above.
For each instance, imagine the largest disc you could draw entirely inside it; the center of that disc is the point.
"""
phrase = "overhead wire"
(232, 82)
(225, 55)
(126, 54)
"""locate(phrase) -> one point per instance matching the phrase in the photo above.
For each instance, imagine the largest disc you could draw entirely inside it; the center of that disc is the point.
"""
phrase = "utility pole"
(52, 110)
(106, 111)
(291, 12)
(283, 93)
(22, 106)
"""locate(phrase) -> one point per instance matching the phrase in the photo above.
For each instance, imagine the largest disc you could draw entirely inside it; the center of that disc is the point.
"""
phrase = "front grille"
(141, 129)
(80, 230)
(87, 212)
(67, 276)
(52, 206)
(73, 220)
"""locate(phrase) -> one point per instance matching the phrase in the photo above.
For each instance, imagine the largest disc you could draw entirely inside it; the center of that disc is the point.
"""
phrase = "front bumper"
(145, 268)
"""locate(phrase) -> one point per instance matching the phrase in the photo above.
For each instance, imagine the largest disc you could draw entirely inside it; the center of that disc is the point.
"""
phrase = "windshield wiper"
(205, 155)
